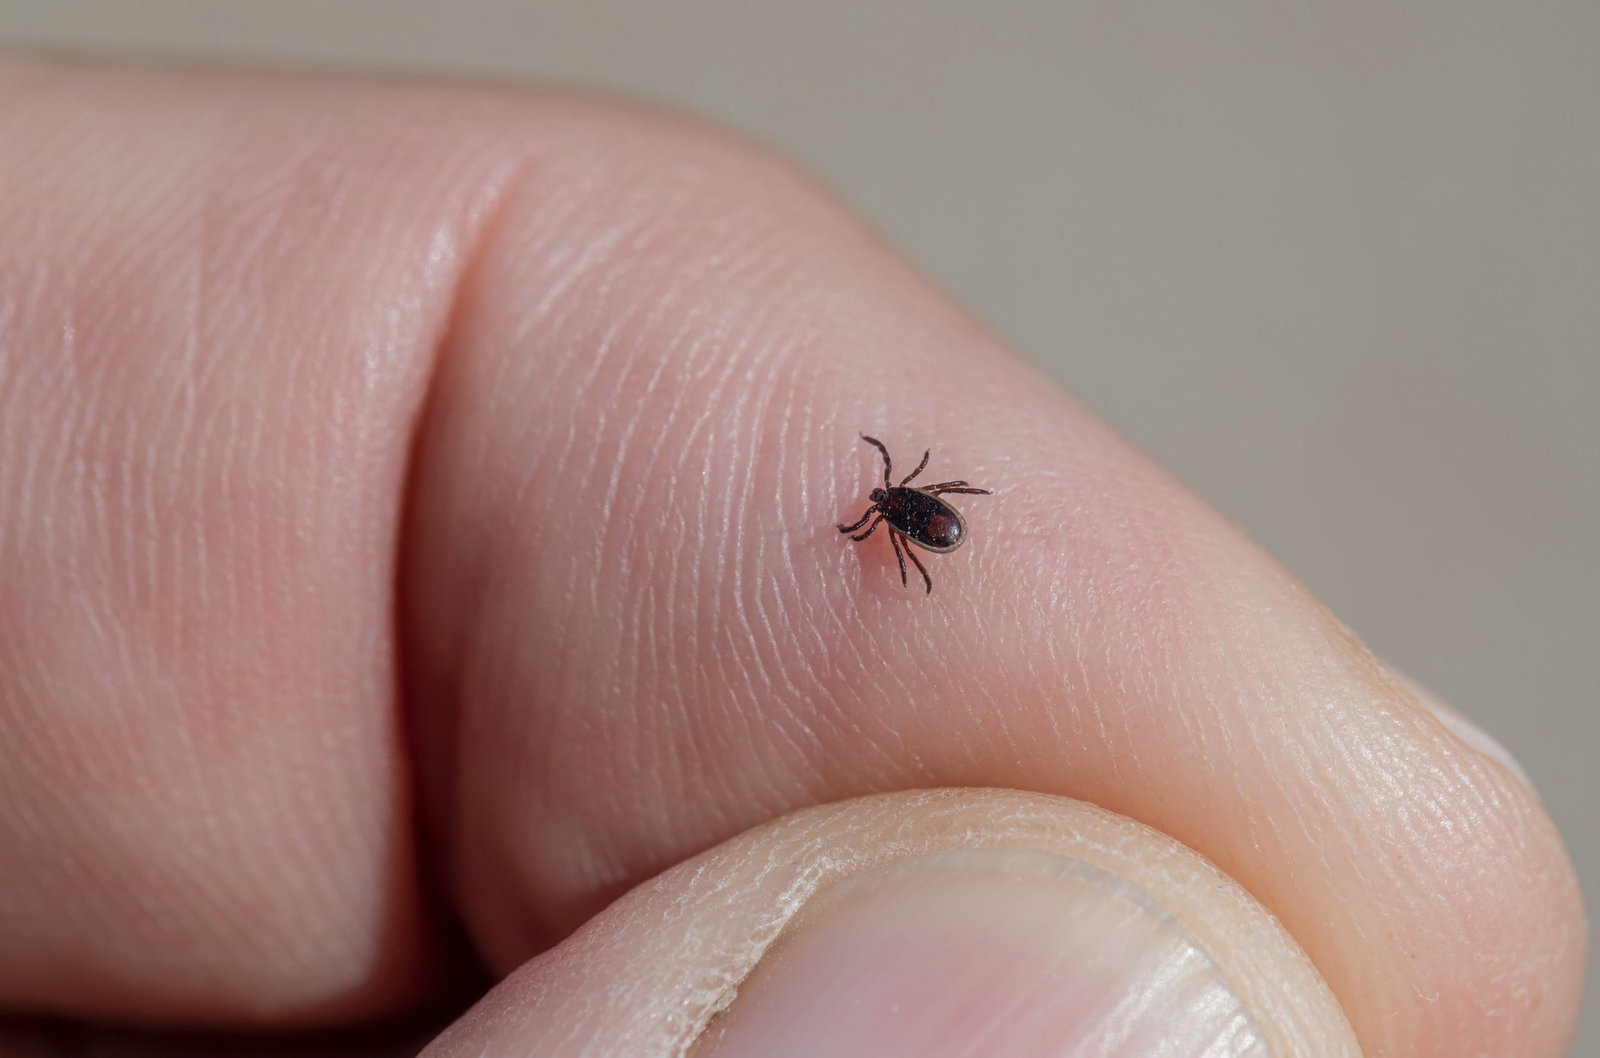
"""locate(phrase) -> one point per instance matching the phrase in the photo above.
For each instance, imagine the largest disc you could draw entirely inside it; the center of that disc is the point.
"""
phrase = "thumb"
(934, 923)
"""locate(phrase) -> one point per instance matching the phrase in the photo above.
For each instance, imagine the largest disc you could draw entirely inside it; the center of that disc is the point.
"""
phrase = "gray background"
(1338, 267)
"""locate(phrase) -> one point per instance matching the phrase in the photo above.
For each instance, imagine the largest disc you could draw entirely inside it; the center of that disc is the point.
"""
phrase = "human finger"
(624, 639)
(934, 923)
(634, 629)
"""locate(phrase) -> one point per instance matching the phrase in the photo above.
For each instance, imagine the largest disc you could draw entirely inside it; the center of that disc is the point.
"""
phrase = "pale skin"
(377, 448)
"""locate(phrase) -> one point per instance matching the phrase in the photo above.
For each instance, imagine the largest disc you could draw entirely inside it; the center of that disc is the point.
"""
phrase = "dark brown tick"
(917, 514)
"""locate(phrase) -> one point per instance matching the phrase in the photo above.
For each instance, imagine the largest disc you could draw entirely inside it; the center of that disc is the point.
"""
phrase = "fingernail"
(1468, 732)
(988, 953)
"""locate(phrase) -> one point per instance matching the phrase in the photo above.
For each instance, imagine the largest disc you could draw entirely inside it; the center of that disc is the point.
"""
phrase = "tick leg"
(852, 528)
(943, 485)
(894, 538)
(870, 528)
(920, 569)
(920, 467)
(888, 465)
(962, 492)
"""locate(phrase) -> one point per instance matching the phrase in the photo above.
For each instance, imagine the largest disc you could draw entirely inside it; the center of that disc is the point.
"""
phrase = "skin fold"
(417, 507)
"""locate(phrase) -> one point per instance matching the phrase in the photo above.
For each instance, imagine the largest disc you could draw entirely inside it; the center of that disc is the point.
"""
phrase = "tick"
(916, 514)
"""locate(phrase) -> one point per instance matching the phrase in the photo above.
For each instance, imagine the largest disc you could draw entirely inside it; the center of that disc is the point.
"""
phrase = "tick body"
(915, 515)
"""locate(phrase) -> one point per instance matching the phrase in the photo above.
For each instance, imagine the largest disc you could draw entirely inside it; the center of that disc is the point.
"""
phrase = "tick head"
(877, 495)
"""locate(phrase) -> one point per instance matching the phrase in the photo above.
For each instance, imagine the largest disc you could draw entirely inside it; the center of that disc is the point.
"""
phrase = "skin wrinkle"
(1379, 869)
(482, 215)
(725, 375)
(760, 673)
(606, 502)
(797, 732)
(637, 517)
(185, 395)
(758, 623)
(728, 671)
(734, 551)
(825, 622)
(1242, 750)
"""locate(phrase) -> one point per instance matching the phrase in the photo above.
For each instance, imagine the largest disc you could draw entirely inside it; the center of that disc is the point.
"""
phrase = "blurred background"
(1336, 265)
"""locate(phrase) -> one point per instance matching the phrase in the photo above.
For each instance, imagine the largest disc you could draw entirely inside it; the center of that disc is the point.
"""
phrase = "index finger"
(636, 630)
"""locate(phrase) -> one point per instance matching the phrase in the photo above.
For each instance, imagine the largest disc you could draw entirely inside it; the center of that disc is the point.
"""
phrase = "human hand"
(380, 450)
